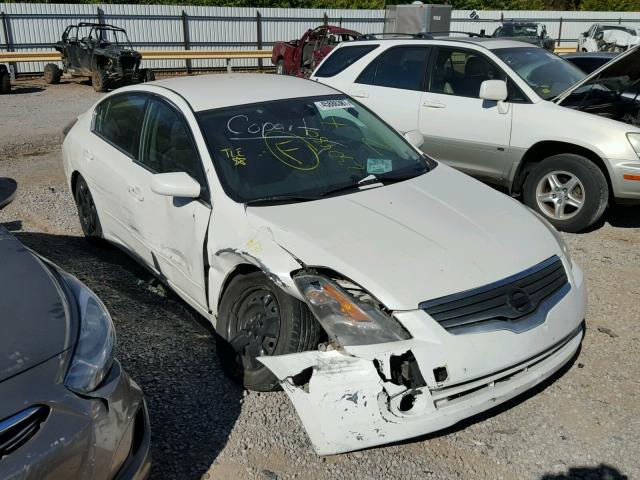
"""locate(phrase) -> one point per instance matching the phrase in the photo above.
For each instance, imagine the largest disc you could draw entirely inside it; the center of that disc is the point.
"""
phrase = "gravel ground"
(583, 423)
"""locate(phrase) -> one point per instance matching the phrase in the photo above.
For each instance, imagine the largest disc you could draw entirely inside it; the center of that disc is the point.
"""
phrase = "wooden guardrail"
(561, 50)
(228, 55)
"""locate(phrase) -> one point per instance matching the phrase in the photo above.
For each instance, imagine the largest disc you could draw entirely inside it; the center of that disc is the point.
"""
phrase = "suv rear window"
(342, 58)
(398, 67)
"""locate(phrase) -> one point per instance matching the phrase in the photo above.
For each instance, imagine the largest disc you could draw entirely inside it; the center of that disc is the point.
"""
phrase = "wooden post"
(186, 40)
(325, 18)
(259, 35)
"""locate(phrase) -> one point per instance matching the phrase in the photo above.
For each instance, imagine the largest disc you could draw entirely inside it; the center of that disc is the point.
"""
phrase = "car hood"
(427, 237)
(627, 61)
(34, 321)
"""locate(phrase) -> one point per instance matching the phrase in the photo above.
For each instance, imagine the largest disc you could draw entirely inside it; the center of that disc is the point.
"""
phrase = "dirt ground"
(582, 423)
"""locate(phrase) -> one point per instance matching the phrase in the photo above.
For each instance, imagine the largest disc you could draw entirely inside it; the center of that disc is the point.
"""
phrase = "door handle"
(359, 94)
(136, 193)
(88, 154)
(433, 104)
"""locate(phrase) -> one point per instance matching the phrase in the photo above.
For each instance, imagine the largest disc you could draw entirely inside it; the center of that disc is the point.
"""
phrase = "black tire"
(280, 67)
(5, 83)
(149, 75)
(87, 212)
(100, 80)
(52, 73)
(582, 205)
(245, 332)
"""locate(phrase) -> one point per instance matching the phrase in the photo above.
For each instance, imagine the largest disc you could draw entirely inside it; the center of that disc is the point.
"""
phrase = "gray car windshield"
(546, 73)
(304, 149)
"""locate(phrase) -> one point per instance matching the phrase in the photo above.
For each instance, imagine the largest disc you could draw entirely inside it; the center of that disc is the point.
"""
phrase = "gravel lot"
(583, 423)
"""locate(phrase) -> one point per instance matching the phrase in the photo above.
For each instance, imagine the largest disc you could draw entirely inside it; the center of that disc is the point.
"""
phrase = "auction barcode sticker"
(333, 104)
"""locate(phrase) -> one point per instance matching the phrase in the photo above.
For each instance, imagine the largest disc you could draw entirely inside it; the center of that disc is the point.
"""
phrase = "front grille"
(505, 302)
(16, 430)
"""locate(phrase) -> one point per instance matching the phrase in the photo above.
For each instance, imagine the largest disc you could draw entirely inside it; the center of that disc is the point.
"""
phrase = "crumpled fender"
(254, 247)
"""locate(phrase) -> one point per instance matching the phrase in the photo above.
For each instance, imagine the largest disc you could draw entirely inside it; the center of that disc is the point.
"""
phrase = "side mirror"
(178, 184)
(415, 138)
(494, 90)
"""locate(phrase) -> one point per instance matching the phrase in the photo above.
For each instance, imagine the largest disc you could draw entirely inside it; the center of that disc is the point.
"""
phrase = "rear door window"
(118, 121)
(343, 58)
(398, 67)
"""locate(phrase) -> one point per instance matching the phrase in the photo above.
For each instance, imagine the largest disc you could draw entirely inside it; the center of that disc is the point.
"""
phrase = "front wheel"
(147, 75)
(5, 83)
(569, 190)
(257, 318)
(100, 80)
(52, 73)
(87, 212)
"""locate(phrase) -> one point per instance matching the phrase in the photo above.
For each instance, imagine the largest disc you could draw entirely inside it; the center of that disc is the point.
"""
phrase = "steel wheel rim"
(560, 195)
(256, 329)
(87, 211)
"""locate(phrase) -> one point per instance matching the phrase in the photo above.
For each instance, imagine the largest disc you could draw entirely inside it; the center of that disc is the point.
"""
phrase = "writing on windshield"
(301, 146)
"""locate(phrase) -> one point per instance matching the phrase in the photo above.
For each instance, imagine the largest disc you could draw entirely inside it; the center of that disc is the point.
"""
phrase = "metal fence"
(36, 26)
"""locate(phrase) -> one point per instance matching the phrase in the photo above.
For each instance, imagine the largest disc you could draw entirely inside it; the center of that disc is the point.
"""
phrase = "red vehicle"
(300, 57)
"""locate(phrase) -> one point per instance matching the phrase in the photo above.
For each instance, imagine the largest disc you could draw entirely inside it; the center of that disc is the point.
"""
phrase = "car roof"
(206, 92)
(489, 43)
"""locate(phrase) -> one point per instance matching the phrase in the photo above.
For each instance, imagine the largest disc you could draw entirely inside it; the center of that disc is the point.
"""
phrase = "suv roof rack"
(468, 34)
(374, 36)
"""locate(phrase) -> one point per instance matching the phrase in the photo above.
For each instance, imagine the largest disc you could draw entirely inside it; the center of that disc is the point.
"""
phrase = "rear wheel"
(568, 190)
(87, 212)
(280, 67)
(257, 318)
(5, 83)
(100, 80)
(52, 73)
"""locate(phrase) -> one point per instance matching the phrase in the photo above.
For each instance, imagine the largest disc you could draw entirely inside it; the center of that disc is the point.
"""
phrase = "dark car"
(533, 33)
(5, 80)
(67, 408)
(101, 52)
(589, 61)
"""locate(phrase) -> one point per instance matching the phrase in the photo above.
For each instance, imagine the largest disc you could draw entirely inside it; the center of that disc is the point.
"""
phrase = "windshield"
(304, 148)
(545, 72)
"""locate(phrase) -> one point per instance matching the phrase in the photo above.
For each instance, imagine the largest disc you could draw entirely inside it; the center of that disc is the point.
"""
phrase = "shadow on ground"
(15, 90)
(601, 472)
(165, 347)
(624, 217)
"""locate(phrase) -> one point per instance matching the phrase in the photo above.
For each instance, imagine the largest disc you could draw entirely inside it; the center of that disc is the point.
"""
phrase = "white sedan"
(388, 294)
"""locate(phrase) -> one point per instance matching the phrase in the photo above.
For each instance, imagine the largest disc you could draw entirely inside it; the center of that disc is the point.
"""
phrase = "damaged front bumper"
(346, 405)
(360, 397)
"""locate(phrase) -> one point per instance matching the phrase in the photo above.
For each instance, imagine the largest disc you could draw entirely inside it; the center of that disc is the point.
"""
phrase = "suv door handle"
(136, 193)
(433, 104)
(359, 94)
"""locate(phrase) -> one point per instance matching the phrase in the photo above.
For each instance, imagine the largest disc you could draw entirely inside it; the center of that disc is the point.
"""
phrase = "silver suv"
(497, 110)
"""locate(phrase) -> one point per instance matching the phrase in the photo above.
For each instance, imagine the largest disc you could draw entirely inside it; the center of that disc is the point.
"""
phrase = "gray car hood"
(436, 234)
(33, 317)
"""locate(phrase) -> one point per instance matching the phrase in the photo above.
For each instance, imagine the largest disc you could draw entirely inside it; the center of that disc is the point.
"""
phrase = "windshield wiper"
(369, 180)
(270, 200)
